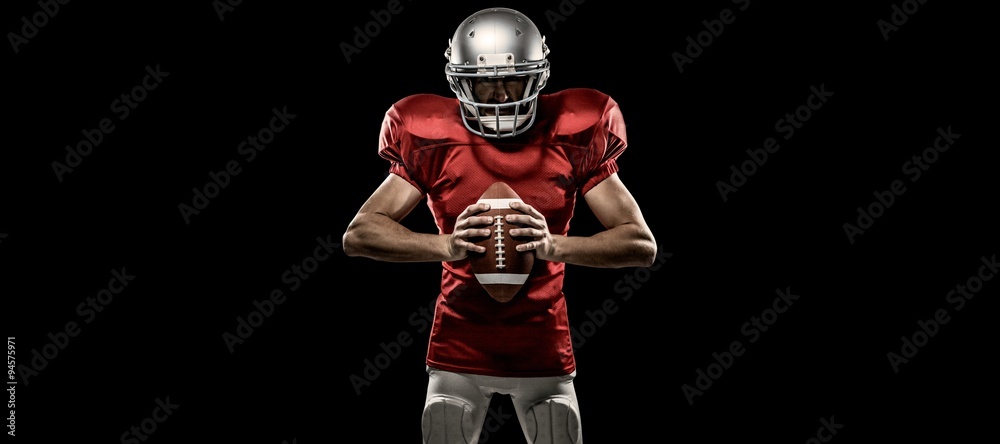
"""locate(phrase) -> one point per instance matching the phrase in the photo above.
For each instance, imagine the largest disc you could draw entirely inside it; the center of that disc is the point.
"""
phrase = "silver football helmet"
(499, 46)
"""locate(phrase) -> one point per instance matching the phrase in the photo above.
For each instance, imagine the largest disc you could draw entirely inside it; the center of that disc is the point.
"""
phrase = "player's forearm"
(627, 245)
(379, 237)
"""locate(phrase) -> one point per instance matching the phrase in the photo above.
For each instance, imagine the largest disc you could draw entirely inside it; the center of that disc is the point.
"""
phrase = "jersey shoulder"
(582, 111)
(577, 110)
(421, 120)
(425, 114)
(425, 103)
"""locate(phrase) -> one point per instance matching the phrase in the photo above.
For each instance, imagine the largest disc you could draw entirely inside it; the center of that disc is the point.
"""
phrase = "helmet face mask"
(497, 52)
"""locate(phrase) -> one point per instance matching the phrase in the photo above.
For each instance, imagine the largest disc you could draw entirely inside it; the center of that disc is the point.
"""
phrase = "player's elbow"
(363, 235)
(645, 248)
(647, 252)
(352, 241)
(348, 242)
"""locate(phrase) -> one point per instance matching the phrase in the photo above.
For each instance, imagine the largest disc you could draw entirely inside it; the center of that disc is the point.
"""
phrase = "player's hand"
(534, 226)
(469, 225)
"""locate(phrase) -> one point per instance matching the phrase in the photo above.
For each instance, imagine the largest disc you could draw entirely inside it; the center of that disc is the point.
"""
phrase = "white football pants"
(455, 408)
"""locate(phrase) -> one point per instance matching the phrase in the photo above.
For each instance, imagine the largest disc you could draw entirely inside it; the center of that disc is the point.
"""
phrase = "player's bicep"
(613, 204)
(394, 198)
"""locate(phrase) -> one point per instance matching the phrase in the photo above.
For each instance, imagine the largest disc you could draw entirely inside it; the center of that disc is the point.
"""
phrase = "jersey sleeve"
(391, 148)
(608, 143)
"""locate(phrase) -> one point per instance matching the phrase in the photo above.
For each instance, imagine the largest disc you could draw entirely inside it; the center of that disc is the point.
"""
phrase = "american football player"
(550, 149)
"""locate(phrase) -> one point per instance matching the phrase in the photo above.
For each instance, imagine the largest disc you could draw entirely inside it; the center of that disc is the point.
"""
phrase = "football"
(501, 270)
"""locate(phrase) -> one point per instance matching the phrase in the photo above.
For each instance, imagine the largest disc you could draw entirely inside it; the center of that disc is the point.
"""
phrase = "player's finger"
(473, 221)
(473, 232)
(460, 244)
(525, 208)
(473, 247)
(526, 232)
(474, 209)
(525, 220)
(469, 212)
(527, 246)
(479, 232)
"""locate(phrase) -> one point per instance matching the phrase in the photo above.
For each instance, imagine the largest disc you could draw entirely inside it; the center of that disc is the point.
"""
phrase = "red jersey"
(572, 146)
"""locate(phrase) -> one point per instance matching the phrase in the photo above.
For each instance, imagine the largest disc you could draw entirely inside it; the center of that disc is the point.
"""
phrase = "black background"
(162, 337)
